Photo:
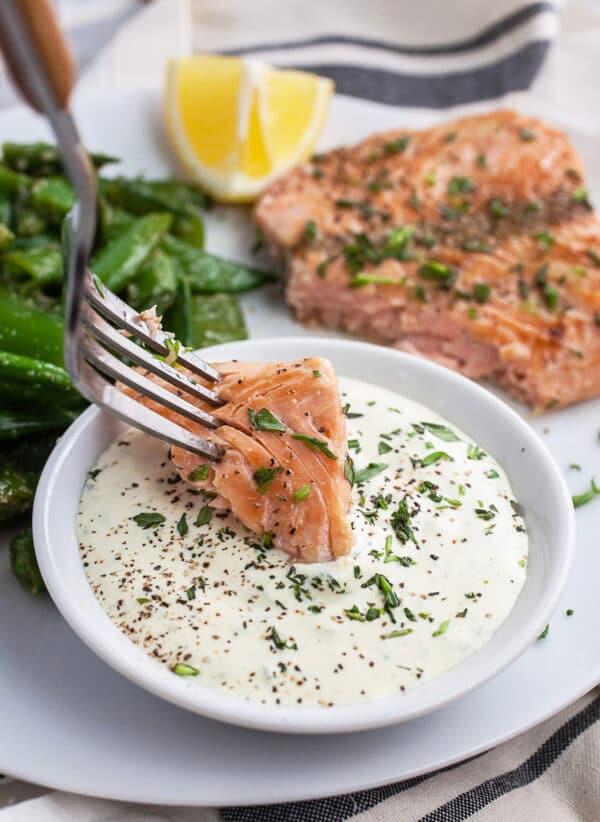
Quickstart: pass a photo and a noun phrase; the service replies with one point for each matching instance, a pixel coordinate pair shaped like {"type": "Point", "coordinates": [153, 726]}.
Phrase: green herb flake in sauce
{"type": "Point", "coordinates": [569, 612]}
{"type": "Point", "coordinates": [474, 452]}
{"type": "Point", "coordinates": [315, 444]}
{"type": "Point", "coordinates": [204, 515]}
{"type": "Point", "coordinates": [142, 600]}
{"type": "Point", "coordinates": [182, 526]}
{"type": "Point", "coordinates": [302, 493]}
{"type": "Point", "coordinates": [398, 633]}
{"type": "Point", "coordinates": [349, 472]}
{"type": "Point", "coordinates": [181, 669]}
{"type": "Point", "coordinates": [372, 469]}
{"type": "Point", "coordinates": [383, 448]}
{"type": "Point", "coordinates": [443, 432]}
{"type": "Point", "coordinates": [587, 496]}
{"type": "Point", "coordinates": [442, 628]}
{"type": "Point", "coordinates": [400, 522]}
{"type": "Point", "coordinates": [280, 643]}
{"type": "Point", "coordinates": [149, 520]}
{"type": "Point", "coordinates": [545, 632]}
{"type": "Point", "coordinates": [264, 420]}
{"type": "Point", "coordinates": [434, 457]}
{"type": "Point", "coordinates": [199, 474]}
{"type": "Point", "coordinates": [492, 474]}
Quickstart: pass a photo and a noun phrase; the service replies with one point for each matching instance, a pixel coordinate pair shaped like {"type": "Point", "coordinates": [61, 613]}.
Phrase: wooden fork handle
{"type": "Point", "coordinates": [36, 52]}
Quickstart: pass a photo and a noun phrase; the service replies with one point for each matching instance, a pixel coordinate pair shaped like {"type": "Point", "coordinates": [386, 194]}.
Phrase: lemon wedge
{"type": "Point", "coordinates": [237, 123]}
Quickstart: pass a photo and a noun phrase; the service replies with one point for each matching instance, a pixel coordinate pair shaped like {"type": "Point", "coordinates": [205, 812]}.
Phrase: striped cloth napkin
{"type": "Point", "coordinates": [430, 54]}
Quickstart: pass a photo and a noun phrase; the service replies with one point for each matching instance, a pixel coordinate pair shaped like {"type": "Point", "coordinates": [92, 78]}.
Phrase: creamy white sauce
{"type": "Point", "coordinates": [209, 597]}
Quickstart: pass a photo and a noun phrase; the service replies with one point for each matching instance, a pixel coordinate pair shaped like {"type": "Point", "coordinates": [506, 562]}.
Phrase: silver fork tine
{"type": "Point", "coordinates": [105, 333]}
{"type": "Point", "coordinates": [122, 315]}
{"type": "Point", "coordinates": [106, 362]}
{"type": "Point", "coordinates": [100, 391]}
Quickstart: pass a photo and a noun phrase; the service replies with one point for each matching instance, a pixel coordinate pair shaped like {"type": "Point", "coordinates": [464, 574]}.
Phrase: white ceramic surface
{"type": "Point", "coordinates": [70, 722]}
{"type": "Point", "coordinates": [536, 482]}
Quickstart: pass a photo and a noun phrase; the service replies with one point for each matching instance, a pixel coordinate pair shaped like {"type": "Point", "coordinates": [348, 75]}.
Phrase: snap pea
{"type": "Point", "coordinates": [178, 318]}
{"type": "Point", "coordinates": [42, 159]}
{"type": "Point", "coordinates": [17, 423]}
{"type": "Point", "coordinates": [119, 260]}
{"type": "Point", "coordinates": [25, 380]}
{"type": "Point", "coordinates": [216, 318]}
{"type": "Point", "coordinates": [145, 196]}
{"type": "Point", "coordinates": [23, 563]}
{"type": "Point", "coordinates": [155, 284]}
{"type": "Point", "coordinates": [112, 221]}
{"type": "Point", "coordinates": [30, 331]}
{"type": "Point", "coordinates": [43, 265]}
{"type": "Point", "coordinates": [11, 181]}
{"type": "Point", "coordinates": [208, 274]}
{"type": "Point", "coordinates": [52, 197]}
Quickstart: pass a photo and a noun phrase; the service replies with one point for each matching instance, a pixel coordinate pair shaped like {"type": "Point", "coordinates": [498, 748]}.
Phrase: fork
{"type": "Point", "coordinates": [102, 333]}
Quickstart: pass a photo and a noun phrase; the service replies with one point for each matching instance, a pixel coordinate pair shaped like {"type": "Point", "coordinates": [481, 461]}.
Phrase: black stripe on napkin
{"type": "Point", "coordinates": [340, 808]}
{"type": "Point", "coordinates": [513, 73]}
{"type": "Point", "coordinates": [483, 38]}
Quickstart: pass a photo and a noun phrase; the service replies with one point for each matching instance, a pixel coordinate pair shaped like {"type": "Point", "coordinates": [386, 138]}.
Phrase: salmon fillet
{"type": "Point", "coordinates": [283, 432]}
{"type": "Point", "coordinates": [470, 243]}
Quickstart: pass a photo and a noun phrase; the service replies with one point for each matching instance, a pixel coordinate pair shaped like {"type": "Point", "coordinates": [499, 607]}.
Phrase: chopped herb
{"type": "Point", "coordinates": [204, 515]}
{"type": "Point", "coordinates": [492, 474]}
{"type": "Point", "coordinates": [481, 161]}
{"type": "Point", "coordinates": [594, 256]}
{"type": "Point", "coordinates": [482, 292]}
{"type": "Point", "coordinates": [374, 279]}
{"type": "Point", "coordinates": [280, 643]}
{"type": "Point", "coordinates": [476, 245]}
{"type": "Point", "coordinates": [315, 444]}
{"type": "Point", "coordinates": [575, 466]}
{"type": "Point", "coordinates": [181, 669]}
{"type": "Point", "coordinates": [142, 600]}
{"type": "Point", "coordinates": [474, 452]}
{"type": "Point", "coordinates": [182, 526]}
{"type": "Point", "coordinates": [302, 493]}
{"type": "Point", "coordinates": [383, 448]}
{"type": "Point", "coordinates": [523, 289]}
{"type": "Point", "coordinates": [550, 296]}
{"type": "Point", "coordinates": [580, 195]}
{"type": "Point", "coordinates": [354, 613]}
{"type": "Point", "coordinates": [94, 473]}
{"type": "Point", "coordinates": [431, 179]}
{"type": "Point", "coordinates": [316, 372]}
{"type": "Point", "coordinates": [409, 615]}
{"type": "Point", "coordinates": [588, 496]}
{"type": "Point", "coordinates": [385, 586]}
{"type": "Point", "coordinates": [523, 563]}
{"type": "Point", "coordinates": [420, 294]}
{"type": "Point", "coordinates": [462, 614]}
{"type": "Point", "coordinates": [149, 520]}
{"type": "Point", "coordinates": [191, 593]}
{"type": "Point", "coordinates": [497, 208]}
{"type": "Point", "coordinates": [351, 415]}
{"type": "Point", "coordinates": [451, 137]}
{"type": "Point", "coordinates": [569, 612]}
{"type": "Point", "coordinates": [545, 632]}
{"type": "Point", "coordinates": [442, 628]}
{"type": "Point", "coordinates": [434, 457]}
{"type": "Point", "coordinates": [527, 134]}
{"type": "Point", "coordinates": [349, 473]}
{"type": "Point", "coordinates": [545, 240]}
{"type": "Point", "coordinates": [434, 270]}
{"type": "Point", "coordinates": [354, 444]}
{"type": "Point", "coordinates": [264, 420]}
{"type": "Point", "coordinates": [199, 474]}
{"type": "Point", "coordinates": [440, 431]}
{"type": "Point", "coordinates": [315, 609]}
{"type": "Point", "coordinates": [324, 265]}
{"type": "Point", "coordinates": [461, 185]}
{"type": "Point", "coordinates": [372, 469]}
{"type": "Point", "coordinates": [414, 201]}
{"type": "Point", "coordinates": [397, 146]}
{"type": "Point", "coordinates": [264, 477]}
{"type": "Point", "coordinates": [485, 514]}
{"type": "Point", "coordinates": [310, 231]}
{"type": "Point", "coordinates": [425, 240]}
{"type": "Point", "coordinates": [357, 572]}
{"type": "Point", "coordinates": [472, 313]}
{"type": "Point", "coordinates": [394, 634]}
{"type": "Point", "coordinates": [400, 522]}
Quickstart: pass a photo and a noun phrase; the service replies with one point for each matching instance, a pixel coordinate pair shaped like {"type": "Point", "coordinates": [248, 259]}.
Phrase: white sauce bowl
{"type": "Point", "coordinates": [535, 479]}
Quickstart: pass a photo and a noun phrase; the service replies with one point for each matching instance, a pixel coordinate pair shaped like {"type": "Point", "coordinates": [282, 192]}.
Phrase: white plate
{"type": "Point", "coordinates": [537, 483]}
{"type": "Point", "coordinates": [70, 722]}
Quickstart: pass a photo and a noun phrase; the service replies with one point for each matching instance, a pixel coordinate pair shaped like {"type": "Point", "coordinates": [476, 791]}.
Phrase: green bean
{"type": "Point", "coordinates": [30, 331]}
{"type": "Point", "coordinates": [25, 380]}
{"type": "Point", "coordinates": [15, 424]}
{"type": "Point", "coordinates": [24, 565]}
{"type": "Point", "coordinates": [112, 221]}
{"type": "Point", "coordinates": [144, 196]}
{"type": "Point", "coordinates": [216, 318]}
{"type": "Point", "coordinates": [42, 159]}
{"type": "Point", "coordinates": [6, 236]}
{"type": "Point", "coordinates": [155, 284]}
{"type": "Point", "coordinates": [11, 181]}
{"type": "Point", "coordinates": [208, 274]}
{"type": "Point", "coordinates": [118, 261]}
{"type": "Point", "coordinates": [6, 210]}
{"type": "Point", "coordinates": [47, 241]}
{"type": "Point", "coordinates": [53, 197]}
{"type": "Point", "coordinates": [43, 265]}
{"type": "Point", "coordinates": [178, 318]}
